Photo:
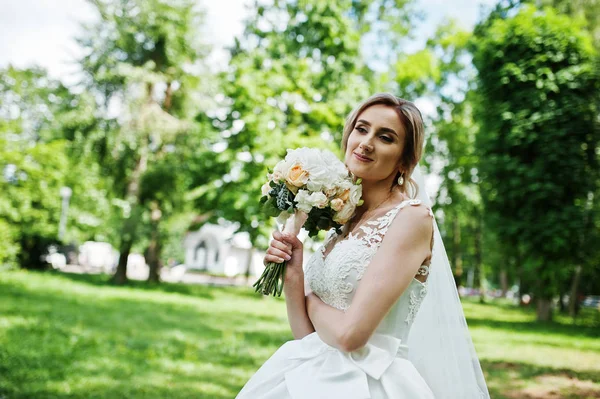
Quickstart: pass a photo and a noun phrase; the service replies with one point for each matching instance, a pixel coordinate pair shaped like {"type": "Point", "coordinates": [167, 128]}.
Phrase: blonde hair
{"type": "Point", "coordinates": [411, 119]}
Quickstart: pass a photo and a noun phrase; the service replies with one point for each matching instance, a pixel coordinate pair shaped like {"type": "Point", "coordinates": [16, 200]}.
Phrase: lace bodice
{"type": "Point", "coordinates": [334, 276]}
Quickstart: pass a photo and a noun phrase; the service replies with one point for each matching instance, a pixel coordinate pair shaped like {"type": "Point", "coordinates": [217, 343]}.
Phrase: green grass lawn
{"type": "Point", "coordinates": [74, 336]}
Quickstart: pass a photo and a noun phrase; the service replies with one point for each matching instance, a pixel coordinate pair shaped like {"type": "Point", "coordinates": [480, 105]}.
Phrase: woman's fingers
{"type": "Point", "coordinates": [291, 240]}
{"type": "Point", "coordinates": [276, 256]}
{"type": "Point", "coordinates": [282, 246]}
{"type": "Point", "coordinates": [273, 259]}
{"type": "Point", "coordinates": [279, 253]}
{"type": "Point", "coordinates": [288, 239]}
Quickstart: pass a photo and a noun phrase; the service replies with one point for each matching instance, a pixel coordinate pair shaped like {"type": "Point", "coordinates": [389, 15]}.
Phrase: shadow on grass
{"type": "Point", "coordinates": [103, 280]}
{"type": "Point", "coordinates": [512, 380]}
{"type": "Point", "coordinates": [195, 290]}
{"type": "Point", "coordinates": [536, 327]}
{"type": "Point", "coordinates": [62, 345]}
{"type": "Point", "coordinates": [587, 317]}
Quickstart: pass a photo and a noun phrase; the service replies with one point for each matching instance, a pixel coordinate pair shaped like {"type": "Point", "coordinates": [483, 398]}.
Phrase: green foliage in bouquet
{"type": "Point", "coordinates": [279, 199]}
{"type": "Point", "coordinates": [321, 219]}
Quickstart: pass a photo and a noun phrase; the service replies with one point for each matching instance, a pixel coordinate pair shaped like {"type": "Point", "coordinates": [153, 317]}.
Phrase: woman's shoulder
{"type": "Point", "coordinates": [414, 216]}
{"type": "Point", "coordinates": [401, 201]}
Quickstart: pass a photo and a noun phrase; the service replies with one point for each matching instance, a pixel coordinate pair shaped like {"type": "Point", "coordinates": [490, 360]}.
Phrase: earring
{"type": "Point", "coordinates": [400, 180]}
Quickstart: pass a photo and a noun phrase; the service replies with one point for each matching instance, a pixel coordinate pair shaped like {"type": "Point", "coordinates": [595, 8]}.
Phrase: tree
{"type": "Point", "coordinates": [588, 10]}
{"type": "Point", "coordinates": [147, 55]}
{"type": "Point", "coordinates": [293, 77]}
{"type": "Point", "coordinates": [442, 72]}
{"type": "Point", "coordinates": [538, 139]}
{"type": "Point", "coordinates": [451, 148]}
{"type": "Point", "coordinates": [38, 118]}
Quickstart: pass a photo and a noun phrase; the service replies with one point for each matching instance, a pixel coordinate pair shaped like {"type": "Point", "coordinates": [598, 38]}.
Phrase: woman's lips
{"type": "Point", "coordinates": [362, 158]}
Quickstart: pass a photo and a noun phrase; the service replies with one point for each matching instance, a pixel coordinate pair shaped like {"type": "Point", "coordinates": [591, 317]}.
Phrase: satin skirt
{"type": "Point", "coordinates": [311, 369]}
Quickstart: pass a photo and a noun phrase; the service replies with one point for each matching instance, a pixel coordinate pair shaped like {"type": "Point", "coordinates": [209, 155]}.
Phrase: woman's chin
{"type": "Point", "coordinates": [358, 172]}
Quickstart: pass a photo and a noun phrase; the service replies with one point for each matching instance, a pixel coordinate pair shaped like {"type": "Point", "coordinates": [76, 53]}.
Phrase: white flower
{"type": "Point", "coordinates": [336, 167]}
{"type": "Point", "coordinates": [343, 186]}
{"type": "Point", "coordinates": [307, 200]}
{"type": "Point", "coordinates": [280, 170]}
{"type": "Point", "coordinates": [355, 194]}
{"type": "Point", "coordinates": [318, 199]}
{"type": "Point", "coordinates": [303, 200]}
{"type": "Point", "coordinates": [265, 189]}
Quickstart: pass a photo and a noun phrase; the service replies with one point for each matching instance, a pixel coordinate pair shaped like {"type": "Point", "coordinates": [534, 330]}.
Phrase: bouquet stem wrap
{"type": "Point", "coordinates": [272, 278]}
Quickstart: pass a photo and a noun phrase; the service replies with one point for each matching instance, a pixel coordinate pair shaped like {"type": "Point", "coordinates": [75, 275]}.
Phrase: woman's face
{"type": "Point", "coordinates": [376, 144]}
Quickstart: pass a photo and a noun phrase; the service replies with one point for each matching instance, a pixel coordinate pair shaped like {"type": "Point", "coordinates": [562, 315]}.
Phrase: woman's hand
{"type": "Point", "coordinates": [278, 251]}
{"type": "Point", "coordinates": [285, 247]}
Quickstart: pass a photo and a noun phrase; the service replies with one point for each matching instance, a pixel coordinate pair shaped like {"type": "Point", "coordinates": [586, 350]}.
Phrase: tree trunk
{"type": "Point", "coordinates": [503, 281]}
{"type": "Point", "coordinates": [479, 262]}
{"type": "Point", "coordinates": [519, 271]}
{"type": "Point", "coordinates": [544, 309]}
{"type": "Point", "coordinates": [574, 292]}
{"type": "Point", "coordinates": [154, 248]}
{"type": "Point", "coordinates": [249, 263]}
{"type": "Point", "coordinates": [168, 97]}
{"type": "Point", "coordinates": [458, 267]}
{"type": "Point", "coordinates": [128, 231]}
{"type": "Point", "coordinates": [561, 303]}
{"type": "Point", "coordinates": [120, 276]}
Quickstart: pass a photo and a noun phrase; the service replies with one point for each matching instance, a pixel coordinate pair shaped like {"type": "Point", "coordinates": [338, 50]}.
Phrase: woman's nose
{"type": "Point", "coordinates": [366, 145]}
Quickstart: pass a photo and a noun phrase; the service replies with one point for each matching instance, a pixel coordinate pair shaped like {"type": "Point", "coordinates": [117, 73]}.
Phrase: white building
{"type": "Point", "coordinates": [217, 249]}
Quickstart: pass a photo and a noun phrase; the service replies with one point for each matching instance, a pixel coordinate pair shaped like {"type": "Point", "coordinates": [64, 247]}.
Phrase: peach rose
{"type": "Point", "coordinates": [345, 195]}
{"type": "Point", "coordinates": [297, 176]}
{"type": "Point", "coordinates": [344, 214]}
{"type": "Point", "coordinates": [337, 204]}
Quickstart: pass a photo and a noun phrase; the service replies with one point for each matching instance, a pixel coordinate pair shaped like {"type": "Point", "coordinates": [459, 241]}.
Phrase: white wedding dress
{"type": "Point", "coordinates": [310, 369]}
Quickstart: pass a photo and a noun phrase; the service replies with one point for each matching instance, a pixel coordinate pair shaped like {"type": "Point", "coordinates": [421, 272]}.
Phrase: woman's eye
{"type": "Point", "coordinates": [361, 130]}
{"type": "Point", "coordinates": [387, 139]}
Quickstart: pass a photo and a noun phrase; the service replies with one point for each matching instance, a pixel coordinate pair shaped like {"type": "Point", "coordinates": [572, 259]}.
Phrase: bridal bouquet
{"type": "Point", "coordinates": [310, 188]}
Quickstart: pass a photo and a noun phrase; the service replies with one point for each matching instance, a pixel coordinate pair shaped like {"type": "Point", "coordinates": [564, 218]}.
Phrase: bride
{"type": "Point", "coordinates": [375, 312]}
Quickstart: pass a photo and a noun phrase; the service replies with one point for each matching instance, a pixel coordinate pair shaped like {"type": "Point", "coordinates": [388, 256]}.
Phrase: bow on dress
{"type": "Point", "coordinates": [327, 372]}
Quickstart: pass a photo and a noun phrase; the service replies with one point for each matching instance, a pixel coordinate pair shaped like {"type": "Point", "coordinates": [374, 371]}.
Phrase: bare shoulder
{"type": "Point", "coordinates": [414, 219]}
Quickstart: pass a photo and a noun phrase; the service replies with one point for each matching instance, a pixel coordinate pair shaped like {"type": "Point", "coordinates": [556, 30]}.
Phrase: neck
{"type": "Point", "coordinates": [376, 193]}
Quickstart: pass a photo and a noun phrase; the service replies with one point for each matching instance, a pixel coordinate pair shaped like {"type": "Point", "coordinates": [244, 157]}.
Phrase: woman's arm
{"type": "Point", "coordinates": [404, 248]}
{"type": "Point", "coordinates": [293, 287]}
{"type": "Point", "coordinates": [328, 321]}
{"type": "Point", "coordinates": [295, 302]}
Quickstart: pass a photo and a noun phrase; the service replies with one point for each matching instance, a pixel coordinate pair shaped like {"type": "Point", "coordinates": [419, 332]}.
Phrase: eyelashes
{"type": "Point", "coordinates": [384, 138]}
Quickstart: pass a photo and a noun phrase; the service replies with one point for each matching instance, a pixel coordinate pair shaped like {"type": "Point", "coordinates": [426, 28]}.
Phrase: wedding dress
{"type": "Point", "coordinates": [310, 369]}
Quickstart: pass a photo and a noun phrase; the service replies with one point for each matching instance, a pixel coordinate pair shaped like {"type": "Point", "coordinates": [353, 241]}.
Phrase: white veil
{"type": "Point", "coordinates": [440, 344]}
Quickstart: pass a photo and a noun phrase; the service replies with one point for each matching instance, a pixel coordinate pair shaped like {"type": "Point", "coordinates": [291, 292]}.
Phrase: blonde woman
{"type": "Point", "coordinates": [375, 313]}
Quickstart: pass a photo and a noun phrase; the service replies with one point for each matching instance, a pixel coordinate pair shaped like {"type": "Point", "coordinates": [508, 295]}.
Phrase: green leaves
{"type": "Point", "coordinates": [41, 126]}
{"type": "Point", "coordinates": [320, 219]}
{"type": "Point", "coordinates": [538, 104]}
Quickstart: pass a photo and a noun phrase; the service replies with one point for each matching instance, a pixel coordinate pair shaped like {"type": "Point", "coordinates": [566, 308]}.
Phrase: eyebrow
{"type": "Point", "coordinates": [383, 129]}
